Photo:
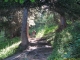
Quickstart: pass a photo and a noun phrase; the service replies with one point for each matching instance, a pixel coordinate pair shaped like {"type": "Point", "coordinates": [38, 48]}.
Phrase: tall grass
{"type": "Point", "coordinates": [46, 30]}
{"type": "Point", "coordinates": [8, 47]}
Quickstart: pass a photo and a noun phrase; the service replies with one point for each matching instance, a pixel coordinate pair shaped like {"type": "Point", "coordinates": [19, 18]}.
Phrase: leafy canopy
{"type": "Point", "coordinates": [20, 1]}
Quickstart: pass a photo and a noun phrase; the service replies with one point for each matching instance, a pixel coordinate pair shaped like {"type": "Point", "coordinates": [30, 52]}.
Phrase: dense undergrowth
{"type": "Point", "coordinates": [45, 31]}
{"type": "Point", "coordinates": [66, 43]}
{"type": "Point", "coordinates": [8, 47]}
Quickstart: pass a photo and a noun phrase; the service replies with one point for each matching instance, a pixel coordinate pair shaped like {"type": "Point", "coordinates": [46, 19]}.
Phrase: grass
{"type": "Point", "coordinates": [8, 47]}
{"type": "Point", "coordinates": [2, 38]}
{"type": "Point", "coordinates": [8, 51]}
{"type": "Point", "coordinates": [8, 42]}
{"type": "Point", "coordinates": [45, 31]}
{"type": "Point", "coordinates": [50, 29]}
{"type": "Point", "coordinates": [40, 33]}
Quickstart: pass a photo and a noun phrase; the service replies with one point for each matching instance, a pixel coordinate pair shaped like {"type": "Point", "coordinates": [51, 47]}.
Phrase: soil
{"type": "Point", "coordinates": [38, 50]}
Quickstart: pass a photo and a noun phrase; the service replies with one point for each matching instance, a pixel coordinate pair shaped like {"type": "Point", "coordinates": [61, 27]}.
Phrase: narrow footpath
{"type": "Point", "coordinates": [39, 49]}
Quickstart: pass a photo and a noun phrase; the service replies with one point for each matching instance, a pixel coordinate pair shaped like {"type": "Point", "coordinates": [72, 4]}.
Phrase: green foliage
{"type": "Point", "coordinates": [66, 44]}
{"type": "Point", "coordinates": [21, 1]}
{"type": "Point", "coordinates": [8, 47]}
{"type": "Point", "coordinates": [40, 33]}
{"type": "Point", "coordinates": [2, 36]}
{"type": "Point", "coordinates": [43, 30]}
{"type": "Point", "coordinates": [16, 0]}
{"type": "Point", "coordinates": [12, 1]}
{"type": "Point", "coordinates": [49, 29]}
{"type": "Point", "coordinates": [69, 6]}
{"type": "Point", "coordinates": [32, 1]}
{"type": "Point", "coordinates": [44, 24]}
{"type": "Point", "coordinates": [8, 42]}
{"type": "Point", "coordinates": [5, 0]}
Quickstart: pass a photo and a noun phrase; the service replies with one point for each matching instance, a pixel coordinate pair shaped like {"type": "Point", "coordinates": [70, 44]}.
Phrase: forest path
{"type": "Point", "coordinates": [39, 49]}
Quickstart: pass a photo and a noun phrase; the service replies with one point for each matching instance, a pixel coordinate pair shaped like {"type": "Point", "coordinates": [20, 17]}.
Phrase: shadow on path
{"type": "Point", "coordinates": [38, 50]}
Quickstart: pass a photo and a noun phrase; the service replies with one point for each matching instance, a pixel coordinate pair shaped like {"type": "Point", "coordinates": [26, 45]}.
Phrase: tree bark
{"type": "Point", "coordinates": [24, 37]}
{"type": "Point", "coordinates": [28, 30]}
{"type": "Point", "coordinates": [62, 22]}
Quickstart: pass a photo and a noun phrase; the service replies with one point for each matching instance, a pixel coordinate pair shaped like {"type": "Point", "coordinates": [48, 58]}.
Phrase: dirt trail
{"type": "Point", "coordinates": [38, 50]}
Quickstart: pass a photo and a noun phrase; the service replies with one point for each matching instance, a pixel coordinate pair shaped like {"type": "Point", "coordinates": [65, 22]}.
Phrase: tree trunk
{"type": "Point", "coordinates": [24, 37]}
{"type": "Point", "coordinates": [28, 30]}
{"type": "Point", "coordinates": [62, 22]}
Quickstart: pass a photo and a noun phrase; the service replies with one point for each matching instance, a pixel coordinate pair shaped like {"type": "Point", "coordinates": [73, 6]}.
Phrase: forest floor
{"type": "Point", "coordinates": [39, 49]}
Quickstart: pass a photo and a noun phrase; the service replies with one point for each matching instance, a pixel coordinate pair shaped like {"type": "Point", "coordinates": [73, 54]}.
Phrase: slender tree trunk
{"type": "Point", "coordinates": [24, 37]}
{"type": "Point", "coordinates": [28, 30]}
{"type": "Point", "coordinates": [62, 22]}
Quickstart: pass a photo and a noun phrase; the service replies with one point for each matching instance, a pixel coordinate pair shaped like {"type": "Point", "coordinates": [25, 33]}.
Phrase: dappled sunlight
{"type": "Point", "coordinates": [60, 51]}
{"type": "Point", "coordinates": [31, 21]}
{"type": "Point", "coordinates": [43, 26]}
{"type": "Point", "coordinates": [48, 46]}
{"type": "Point", "coordinates": [51, 38]}
{"type": "Point", "coordinates": [55, 28]}
{"type": "Point", "coordinates": [40, 33]}
{"type": "Point", "coordinates": [32, 48]}
{"type": "Point", "coordinates": [66, 37]}
{"type": "Point", "coordinates": [9, 50]}
{"type": "Point", "coordinates": [69, 35]}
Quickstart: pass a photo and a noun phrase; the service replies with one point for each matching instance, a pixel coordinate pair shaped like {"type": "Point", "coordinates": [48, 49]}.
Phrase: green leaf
{"type": "Point", "coordinates": [32, 1]}
{"type": "Point", "coordinates": [16, 0]}
{"type": "Point", "coordinates": [21, 1]}
{"type": "Point", "coordinates": [5, 0]}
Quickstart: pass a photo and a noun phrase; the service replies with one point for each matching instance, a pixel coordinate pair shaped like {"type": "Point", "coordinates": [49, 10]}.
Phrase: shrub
{"type": "Point", "coordinates": [67, 44]}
